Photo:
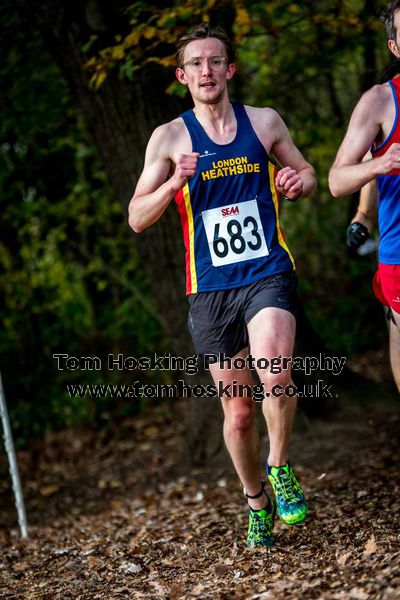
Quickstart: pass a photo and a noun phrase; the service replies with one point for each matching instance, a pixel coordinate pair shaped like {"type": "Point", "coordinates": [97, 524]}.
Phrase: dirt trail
{"type": "Point", "coordinates": [110, 517]}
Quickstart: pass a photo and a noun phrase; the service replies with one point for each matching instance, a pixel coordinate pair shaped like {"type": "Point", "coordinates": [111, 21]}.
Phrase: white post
{"type": "Point", "coordinates": [12, 464]}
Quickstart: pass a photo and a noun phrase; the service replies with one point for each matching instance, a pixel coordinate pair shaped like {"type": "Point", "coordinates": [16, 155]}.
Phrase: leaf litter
{"type": "Point", "coordinates": [164, 533]}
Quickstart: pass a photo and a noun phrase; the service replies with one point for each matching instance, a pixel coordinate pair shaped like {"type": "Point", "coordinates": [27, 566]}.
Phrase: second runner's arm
{"type": "Point", "coordinates": [349, 173]}
{"type": "Point", "coordinates": [367, 204]}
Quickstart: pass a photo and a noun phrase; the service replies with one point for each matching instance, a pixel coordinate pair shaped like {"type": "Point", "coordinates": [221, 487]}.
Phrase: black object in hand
{"type": "Point", "coordinates": [356, 235]}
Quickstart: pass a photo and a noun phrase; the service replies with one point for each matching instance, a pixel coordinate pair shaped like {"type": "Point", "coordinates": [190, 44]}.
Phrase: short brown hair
{"type": "Point", "coordinates": [388, 19]}
{"type": "Point", "coordinates": [201, 32]}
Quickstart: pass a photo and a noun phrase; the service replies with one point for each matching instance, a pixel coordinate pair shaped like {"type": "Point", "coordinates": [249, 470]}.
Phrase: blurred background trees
{"type": "Point", "coordinates": [84, 84]}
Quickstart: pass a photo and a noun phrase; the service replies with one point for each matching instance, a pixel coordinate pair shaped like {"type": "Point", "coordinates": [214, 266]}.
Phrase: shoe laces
{"type": "Point", "coordinates": [285, 487]}
{"type": "Point", "coordinates": [259, 525]}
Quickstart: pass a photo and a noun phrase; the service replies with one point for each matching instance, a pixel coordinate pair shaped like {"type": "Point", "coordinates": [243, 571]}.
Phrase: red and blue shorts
{"type": "Point", "coordinates": [386, 285]}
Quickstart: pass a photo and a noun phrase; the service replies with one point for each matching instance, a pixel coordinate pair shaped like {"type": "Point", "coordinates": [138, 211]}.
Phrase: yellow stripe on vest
{"type": "Point", "coordinates": [192, 262]}
{"type": "Point", "coordinates": [271, 169]}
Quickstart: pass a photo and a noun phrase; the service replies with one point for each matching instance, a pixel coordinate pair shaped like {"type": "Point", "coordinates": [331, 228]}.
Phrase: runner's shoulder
{"type": "Point", "coordinates": [165, 136]}
{"type": "Point", "coordinates": [262, 115]}
{"type": "Point", "coordinates": [377, 96]}
{"type": "Point", "coordinates": [267, 123]}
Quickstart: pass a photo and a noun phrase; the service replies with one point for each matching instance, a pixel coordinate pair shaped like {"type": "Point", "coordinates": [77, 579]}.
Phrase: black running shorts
{"type": "Point", "coordinates": [218, 320]}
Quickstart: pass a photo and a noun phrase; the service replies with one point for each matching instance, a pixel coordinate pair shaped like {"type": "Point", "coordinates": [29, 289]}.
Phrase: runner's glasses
{"type": "Point", "coordinates": [215, 63]}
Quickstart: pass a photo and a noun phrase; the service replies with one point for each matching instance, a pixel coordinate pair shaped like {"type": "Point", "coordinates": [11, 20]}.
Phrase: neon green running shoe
{"type": "Point", "coordinates": [261, 523]}
{"type": "Point", "coordinates": [291, 502]}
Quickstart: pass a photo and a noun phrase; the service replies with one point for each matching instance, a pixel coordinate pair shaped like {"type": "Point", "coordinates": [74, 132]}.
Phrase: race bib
{"type": "Point", "coordinates": [234, 233]}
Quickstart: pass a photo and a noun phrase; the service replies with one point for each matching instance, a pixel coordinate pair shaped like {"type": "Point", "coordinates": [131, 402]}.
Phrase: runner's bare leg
{"type": "Point", "coordinates": [272, 333]}
{"type": "Point", "coordinates": [240, 435]}
{"type": "Point", "coordinates": [394, 347]}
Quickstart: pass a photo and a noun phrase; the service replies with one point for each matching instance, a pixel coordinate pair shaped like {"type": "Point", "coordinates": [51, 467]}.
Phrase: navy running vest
{"type": "Point", "coordinates": [229, 211]}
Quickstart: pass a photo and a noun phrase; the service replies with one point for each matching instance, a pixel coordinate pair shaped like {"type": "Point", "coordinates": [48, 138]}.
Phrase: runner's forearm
{"type": "Point", "coordinates": [147, 209]}
{"type": "Point", "coordinates": [346, 179]}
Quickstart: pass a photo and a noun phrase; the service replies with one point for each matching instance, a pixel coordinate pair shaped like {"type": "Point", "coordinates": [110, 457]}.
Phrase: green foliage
{"type": "Point", "coordinates": [149, 40]}
{"type": "Point", "coordinates": [70, 278]}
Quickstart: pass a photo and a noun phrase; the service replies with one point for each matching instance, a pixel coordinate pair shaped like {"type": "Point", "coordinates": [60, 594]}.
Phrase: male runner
{"type": "Point", "coordinates": [214, 161]}
{"type": "Point", "coordinates": [374, 125]}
